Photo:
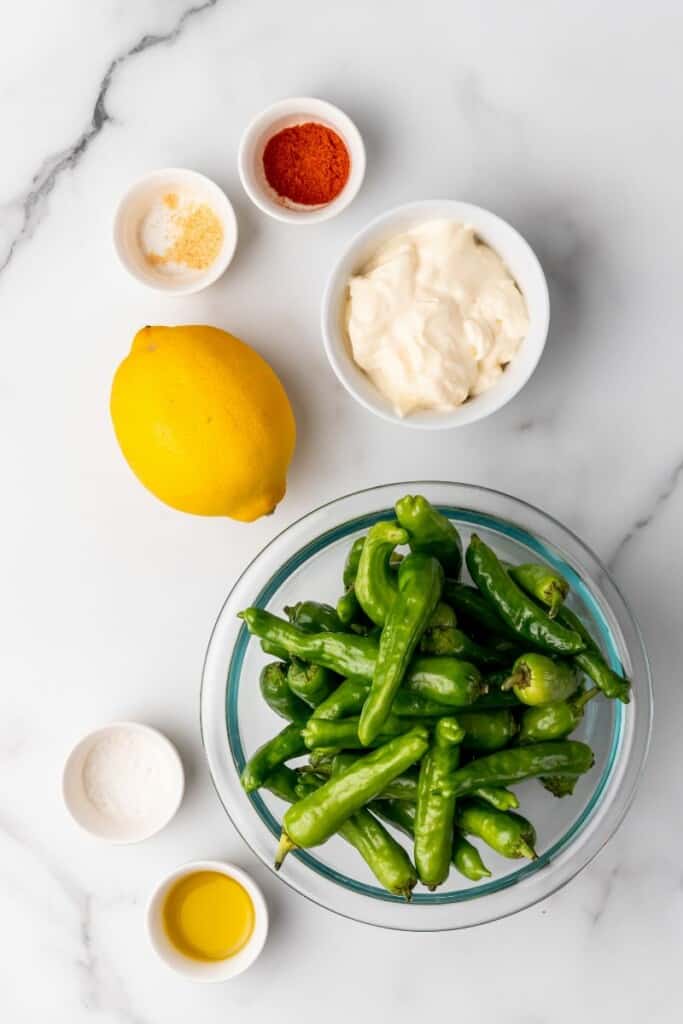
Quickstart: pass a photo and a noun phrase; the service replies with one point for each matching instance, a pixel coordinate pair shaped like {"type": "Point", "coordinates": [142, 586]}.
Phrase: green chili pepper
{"type": "Point", "coordinates": [561, 757]}
{"type": "Point", "coordinates": [376, 585]}
{"type": "Point", "coordinates": [434, 817]}
{"type": "Point", "coordinates": [540, 581]}
{"type": "Point", "coordinates": [442, 639]}
{"type": "Point", "coordinates": [431, 532]}
{"type": "Point", "coordinates": [311, 683]}
{"type": "Point", "coordinates": [283, 747]}
{"type": "Point", "coordinates": [420, 578]}
{"type": "Point", "coordinates": [447, 680]}
{"type": "Point", "coordinates": [347, 699]}
{"type": "Point", "coordinates": [487, 730]}
{"type": "Point", "coordinates": [278, 696]}
{"type": "Point", "coordinates": [343, 734]}
{"type": "Point", "coordinates": [500, 798]}
{"type": "Point", "coordinates": [469, 603]}
{"type": "Point", "coordinates": [348, 608]}
{"type": "Point", "coordinates": [467, 859]}
{"type": "Point", "coordinates": [553, 721]}
{"type": "Point", "coordinates": [274, 650]}
{"type": "Point", "coordinates": [318, 816]}
{"type": "Point", "coordinates": [537, 679]}
{"type": "Point", "coordinates": [508, 834]}
{"type": "Point", "coordinates": [314, 617]}
{"type": "Point", "coordinates": [513, 605]}
{"type": "Point", "coordinates": [388, 861]}
{"type": "Point", "coordinates": [352, 562]}
{"type": "Point", "coordinates": [592, 662]}
{"type": "Point", "coordinates": [558, 785]}
{"type": "Point", "coordinates": [282, 782]}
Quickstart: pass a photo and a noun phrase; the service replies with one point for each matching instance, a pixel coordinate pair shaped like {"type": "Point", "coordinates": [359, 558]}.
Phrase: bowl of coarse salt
{"type": "Point", "coordinates": [123, 782]}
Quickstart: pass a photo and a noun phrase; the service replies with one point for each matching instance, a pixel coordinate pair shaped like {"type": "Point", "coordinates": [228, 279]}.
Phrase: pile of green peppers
{"type": "Point", "coordinates": [420, 699]}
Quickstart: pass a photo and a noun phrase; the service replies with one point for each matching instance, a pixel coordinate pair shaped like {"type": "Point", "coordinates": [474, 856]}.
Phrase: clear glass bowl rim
{"type": "Point", "coordinates": [622, 792]}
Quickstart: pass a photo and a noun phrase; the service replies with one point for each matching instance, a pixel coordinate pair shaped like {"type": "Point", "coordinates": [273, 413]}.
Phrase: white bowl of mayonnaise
{"type": "Point", "coordinates": [436, 314]}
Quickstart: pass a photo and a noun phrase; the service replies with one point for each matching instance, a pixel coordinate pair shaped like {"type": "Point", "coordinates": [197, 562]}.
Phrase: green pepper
{"type": "Point", "coordinates": [540, 581]}
{"type": "Point", "coordinates": [274, 650]}
{"type": "Point", "coordinates": [508, 834]}
{"type": "Point", "coordinates": [431, 532]}
{"type": "Point", "coordinates": [420, 578]}
{"type": "Point", "coordinates": [319, 815]}
{"type": "Point", "coordinates": [442, 637]}
{"type": "Point", "coordinates": [388, 861]}
{"type": "Point", "coordinates": [567, 758]}
{"type": "Point", "coordinates": [348, 608]}
{"type": "Point", "coordinates": [282, 782]}
{"type": "Point", "coordinates": [487, 730]}
{"type": "Point", "coordinates": [446, 680]}
{"type": "Point", "coordinates": [537, 679]}
{"type": "Point", "coordinates": [343, 734]}
{"type": "Point", "coordinates": [517, 609]}
{"type": "Point", "coordinates": [467, 859]}
{"type": "Point", "coordinates": [352, 562]}
{"type": "Point", "coordinates": [553, 721]}
{"type": "Point", "coordinates": [311, 683]}
{"type": "Point", "coordinates": [434, 817]}
{"type": "Point", "coordinates": [473, 607]}
{"type": "Point", "coordinates": [286, 745]}
{"type": "Point", "coordinates": [278, 696]}
{"type": "Point", "coordinates": [347, 699]}
{"type": "Point", "coordinates": [592, 662]}
{"type": "Point", "coordinates": [314, 617]}
{"type": "Point", "coordinates": [376, 585]}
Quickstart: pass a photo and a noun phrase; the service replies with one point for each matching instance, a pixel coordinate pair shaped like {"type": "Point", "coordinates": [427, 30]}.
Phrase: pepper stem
{"type": "Point", "coordinates": [526, 850]}
{"type": "Point", "coordinates": [556, 600]}
{"type": "Point", "coordinates": [284, 847]}
{"type": "Point", "coordinates": [583, 698]}
{"type": "Point", "coordinates": [516, 678]}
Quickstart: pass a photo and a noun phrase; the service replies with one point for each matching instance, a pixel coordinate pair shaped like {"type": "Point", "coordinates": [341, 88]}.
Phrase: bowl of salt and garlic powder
{"type": "Point", "coordinates": [436, 314]}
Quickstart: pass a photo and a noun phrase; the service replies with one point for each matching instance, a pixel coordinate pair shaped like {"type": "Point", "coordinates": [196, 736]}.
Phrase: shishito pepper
{"type": "Point", "coordinates": [420, 579]}
{"type": "Point", "coordinates": [592, 662]}
{"type": "Point", "coordinates": [431, 533]}
{"type": "Point", "coordinates": [286, 745]}
{"type": "Point", "coordinates": [537, 679]}
{"type": "Point", "coordinates": [311, 683]}
{"type": "Point", "coordinates": [314, 617]}
{"type": "Point", "coordinates": [560, 759]}
{"type": "Point", "coordinates": [553, 721]}
{"type": "Point", "coordinates": [319, 815]}
{"type": "Point", "coordinates": [540, 581]}
{"type": "Point", "coordinates": [508, 834]}
{"type": "Point", "coordinates": [376, 584]}
{"type": "Point", "coordinates": [518, 610]}
{"type": "Point", "coordinates": [278, 696]}
{"type": "Point", "coordinates": [348, 607]}
{"type": "Point", "coordinates": [435, 811]}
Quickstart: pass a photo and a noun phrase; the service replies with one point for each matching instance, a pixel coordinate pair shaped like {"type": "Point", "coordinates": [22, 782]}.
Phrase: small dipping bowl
{"type": "Point", "coordinates": [119, 811]}
{"type": "Point", "coordinates": [205, 970]}
{"type": "Point", "coordinates": [285, 114]}
{"type": "Point", "coordinates": [142, 200]}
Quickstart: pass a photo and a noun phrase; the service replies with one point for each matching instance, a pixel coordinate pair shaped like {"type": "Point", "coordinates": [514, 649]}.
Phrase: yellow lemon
{"type": "Point", "coordinates": [203, 422]}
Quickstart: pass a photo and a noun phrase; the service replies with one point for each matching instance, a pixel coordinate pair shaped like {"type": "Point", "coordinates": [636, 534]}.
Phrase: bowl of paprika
{"type": "Point", "coordinates": [302, 160]}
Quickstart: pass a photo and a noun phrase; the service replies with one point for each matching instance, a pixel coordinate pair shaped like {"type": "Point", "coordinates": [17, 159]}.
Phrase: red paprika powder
{"type": "Point", "coordinates": [307, 164]}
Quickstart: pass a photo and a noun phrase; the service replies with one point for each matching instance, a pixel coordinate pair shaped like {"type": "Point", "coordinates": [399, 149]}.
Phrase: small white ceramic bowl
{"type": "Point", "coordinates": [137, 202]}
{"type": "Point", "coordinates": [517, 255]}
{"type": "Point", "coordinates": [198, 970]}
{"type": "Point", "coordinates": [168, 771]}
{"type": "Point", "coordinates": [284, 114]}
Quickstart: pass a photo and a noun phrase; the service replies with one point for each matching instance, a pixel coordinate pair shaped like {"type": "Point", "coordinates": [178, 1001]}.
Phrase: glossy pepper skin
{"type": "Point", "coordinates": [466, 858]}
{"type": "Point", "coordinates": [442, 637]}
{"type": "Point", "coordinates": [420, 578]}
{"type": "Point", "coordinates": [319, 815]}
{"type": "Point", "coordinates": [286, 745]}
{"type": "Point", "coordinates": [592, 662]}
{"type": "Point", "coordinates": [543, 583]}
{"type": "Point", "coordinates": [348, 608]}
{"type": "Point", "coordinates": [387, 859]}
{"type": "Point", "coordinates": [435, 811]}
{"type": "Point", "coordinates": [282, 782]}
{"type": "Point", "coordinates": [517, 609]}
{"type": "Point", "coordinates": [508, 834]}
{"type": "Point", "coordinates": [553, 721]}
{"type": "Point", "coordinates": [343, 734]}
{"type": "Point", "coordinates": [278, 696]}
{"type": "Point", "coordinates": [346, 700]}
{"type": "Point", "coordinates": [431, 532]}
{"type": "Point", "coordinates": [566, 758]}
{"type": "Point", "coordinates": [473, 607]}
{"type": "Point", "coordinates": [314, 617]}
{"type": "Point", "coordinates": [311, 683]}
{"type": "Point", "coordinates": [537, 679]}
{"type": "Point", "coordinates": [487, 731]}
{"type": "Point", "coordinates": [448, 680]}
{"type": "Point", "coordinates": [376, 583]}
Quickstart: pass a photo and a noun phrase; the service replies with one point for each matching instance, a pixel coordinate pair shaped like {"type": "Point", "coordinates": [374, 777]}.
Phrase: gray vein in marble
{"type": "Point", "coordinates": [600, 907]}
{"type": "Point", "coordinates": [31, 203]}
{"type": "Point", "coordinates": [649, 517]}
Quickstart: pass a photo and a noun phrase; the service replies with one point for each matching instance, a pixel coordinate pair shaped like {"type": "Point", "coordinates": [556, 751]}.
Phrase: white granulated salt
{"type": "Point", "coordinates": [126, 777]}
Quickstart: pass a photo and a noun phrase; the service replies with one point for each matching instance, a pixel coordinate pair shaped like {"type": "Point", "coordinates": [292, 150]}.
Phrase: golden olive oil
{"type": "Point", "coordinates": [208, 916]}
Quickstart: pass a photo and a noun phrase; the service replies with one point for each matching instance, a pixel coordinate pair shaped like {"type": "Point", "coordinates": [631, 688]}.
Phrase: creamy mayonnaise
{"type": "Point", "coordinates": [434, 317]}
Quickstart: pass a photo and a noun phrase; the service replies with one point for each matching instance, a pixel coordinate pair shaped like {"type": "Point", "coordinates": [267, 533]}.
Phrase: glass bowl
{"type": "Point", "coordinates": [305, 561]}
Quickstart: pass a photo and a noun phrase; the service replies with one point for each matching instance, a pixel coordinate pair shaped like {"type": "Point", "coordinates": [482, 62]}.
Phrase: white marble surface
{"type": "Point", "coordinates": [564, 119]}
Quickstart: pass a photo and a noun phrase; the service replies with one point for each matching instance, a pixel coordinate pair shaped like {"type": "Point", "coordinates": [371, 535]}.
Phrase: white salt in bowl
{"type": "Point", "coordinates": [123, 782]}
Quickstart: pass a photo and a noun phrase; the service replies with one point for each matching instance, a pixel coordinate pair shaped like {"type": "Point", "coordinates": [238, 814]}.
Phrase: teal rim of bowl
{"type": "Point", "coordinates": [338, 533]}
